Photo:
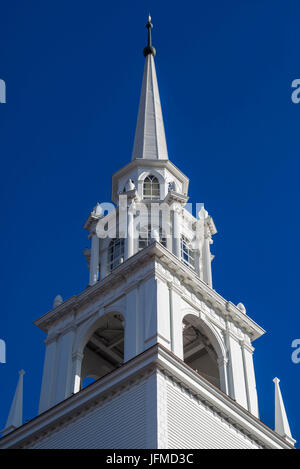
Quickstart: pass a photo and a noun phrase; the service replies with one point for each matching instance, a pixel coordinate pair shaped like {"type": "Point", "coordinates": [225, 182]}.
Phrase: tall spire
{"type": "Point", "coordinates": [15, 417]}
{"type": "Point", "coordinates": [281, 422]}
{"type": "Point", "coordinates": [150, 140]}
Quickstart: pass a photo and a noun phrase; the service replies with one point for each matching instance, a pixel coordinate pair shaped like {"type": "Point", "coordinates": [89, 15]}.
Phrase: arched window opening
{"type": "Point", "coordinates": [104, 351]}
{"type": "Point", "coordinates": [151, 189]}
{"type": "Point", "coordinates": [115, 253]}
{"type": "Point", "coordinates": [187, 253]}
{"type": "Point", "coordinates": [145, 237]}
{"type": "Point", "coordinates": [198, 351]}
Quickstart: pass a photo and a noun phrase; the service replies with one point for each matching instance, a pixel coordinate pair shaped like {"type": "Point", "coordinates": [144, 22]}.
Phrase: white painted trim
{"type": "Point", "coordinates": [144, 364]}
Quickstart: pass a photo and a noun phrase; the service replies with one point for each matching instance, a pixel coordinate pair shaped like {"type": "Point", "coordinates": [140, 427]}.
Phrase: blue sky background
{"type": "Point", "coordinates": [73, 72]}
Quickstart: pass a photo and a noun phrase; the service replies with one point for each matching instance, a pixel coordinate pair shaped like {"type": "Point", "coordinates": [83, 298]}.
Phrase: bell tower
{"type": "Point", "coordinates": [170, 359]}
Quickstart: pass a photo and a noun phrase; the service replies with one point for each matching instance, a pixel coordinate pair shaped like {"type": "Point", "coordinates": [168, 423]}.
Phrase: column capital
{"type": "Point", "coordinates": [222, 361]}
{"type": "Point", "coordinates": [69, 328]}
{"type": "Point", "coordinates": [51, 338]}
{"type": "Point", "coordinates": [77, 356]}
{"type": "Point", "coordinates": [176, 207]}
{"type": "Point", "coordinates": [246, 346]}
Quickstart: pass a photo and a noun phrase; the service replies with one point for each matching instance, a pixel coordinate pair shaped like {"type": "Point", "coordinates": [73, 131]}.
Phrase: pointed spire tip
{"type": "Point", "coordinates": [150, 139]}
{"type": "Point", "coordinates": [149, 49]}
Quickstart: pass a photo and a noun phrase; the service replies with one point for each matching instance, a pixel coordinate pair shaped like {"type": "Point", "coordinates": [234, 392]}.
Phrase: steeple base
{"type": "Point", "coordinates": [154, 401]}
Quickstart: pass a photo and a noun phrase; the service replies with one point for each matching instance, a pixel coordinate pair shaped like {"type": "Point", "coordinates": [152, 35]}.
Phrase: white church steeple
{"type": "Point", "coordinates": [171, 358]}
{"type": "Point", "coordinates": [150, 140]}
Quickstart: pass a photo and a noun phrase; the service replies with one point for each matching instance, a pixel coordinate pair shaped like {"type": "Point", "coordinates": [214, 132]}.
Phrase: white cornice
{"type": "Point", "coordinates": [192, 280]}
{"type": "Point", "coordinates": [173, 196]}
{"type": "Point", "coordinates": [91, 221]}
{"type": "Point", "coordinates": [123, 272]}
{"type": "Point", "coordinates": [220, 402]}
{"type": "Point", "coordinates": [154, 359]}
{"type": "Point", "coordinates": [141, 162]}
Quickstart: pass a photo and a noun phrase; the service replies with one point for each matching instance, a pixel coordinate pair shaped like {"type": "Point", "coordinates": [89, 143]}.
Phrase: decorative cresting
{"type": "Point", "coordinates": [150, 140]}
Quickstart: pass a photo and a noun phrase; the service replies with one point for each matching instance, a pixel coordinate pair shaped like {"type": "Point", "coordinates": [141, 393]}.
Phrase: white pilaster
{"type": "Point", "coordinates": [247, 351]}
{"type": "Point", "coordinates": [129, 241]}
{"type": "Point", "coordinates": [133, 322]}
{"type": "Point", "coordinates": [94, 262]}
{"type": "Point", "coordinates": [48, 379]}
{"type": "Point", "coordinates": [63, 382]}
{"type": "Point", "coordinates": [103, 262]}
{"type": "Point", "coordinates": [222, 364]}
{"type": "Point", "coordinates": [197, 257]}
{"type": "Point", "coordinates": [163, 318]}
{"type": "Point", "coordinates": [169, 229]}
{"type": "Point", "coordinates": [155, 310]}
{"type": "Point", "coordinates": [177, 231]}
{"type": "Point", "coordinates": [206, 255]}
{"type": "Point", "coordinates": [175, 322]}
{"type": "Point", "coordinates": [199, 240]}
{"type": "Point", "coordinates": [236, 377]}
{"type": "Point", "coordinates": [148, 309]}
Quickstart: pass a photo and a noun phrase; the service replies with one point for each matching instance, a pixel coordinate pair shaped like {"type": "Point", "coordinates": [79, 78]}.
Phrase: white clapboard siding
{"type": "Point", "coordinates": [193, 425]}
{"type": "Point", "coordinates": [119, 423]}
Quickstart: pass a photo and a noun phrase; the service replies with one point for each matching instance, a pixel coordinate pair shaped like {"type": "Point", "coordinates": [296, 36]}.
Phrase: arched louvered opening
{"type": "Point", "coordinates": [151, 188]}
{"type": "Point", "coordinates": [104, 350]}
{"type": "Point", "coordinates": [198, 350]}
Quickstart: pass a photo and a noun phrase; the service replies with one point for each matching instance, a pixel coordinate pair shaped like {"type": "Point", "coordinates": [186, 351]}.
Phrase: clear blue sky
{"type": "Point", "coordinates": [73, 71]}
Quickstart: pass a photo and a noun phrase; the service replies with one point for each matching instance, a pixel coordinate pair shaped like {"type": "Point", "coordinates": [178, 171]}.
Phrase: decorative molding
{"type": "Point", "coordinates": [141, 162]}
{"type": "Point", "coordinates": [156, 258]}
{"type": "Point", "coordinates": [134, 371]}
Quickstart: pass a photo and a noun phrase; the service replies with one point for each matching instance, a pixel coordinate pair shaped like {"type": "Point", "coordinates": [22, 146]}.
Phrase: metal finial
{"type": "Point", "coordinates": [149, 49]}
